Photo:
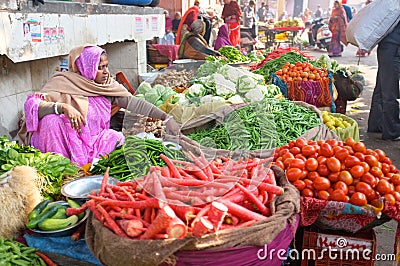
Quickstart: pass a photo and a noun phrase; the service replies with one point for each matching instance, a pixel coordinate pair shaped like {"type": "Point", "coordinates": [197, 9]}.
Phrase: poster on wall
{"type": "Point", "coordinates": [32, 30]}
{"type": "Point", "coordinates": [53, 35]}
{"type": "Point", "coordinates": [154, 24]}
{"type": "Point", "coordinates": [139, 25]}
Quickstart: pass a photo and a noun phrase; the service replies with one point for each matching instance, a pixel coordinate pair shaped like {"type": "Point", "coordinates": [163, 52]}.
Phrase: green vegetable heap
{"type": "Point", "coordinates": [134, 158]}
{"type": "Point", "coordinates": [233, 54]}
{"type": "Point", "coordinates": [16, 253]}
{"type": "Point", "coordinates": [52, 168]}
{"type": "Point", "coordinates": [262, 125]}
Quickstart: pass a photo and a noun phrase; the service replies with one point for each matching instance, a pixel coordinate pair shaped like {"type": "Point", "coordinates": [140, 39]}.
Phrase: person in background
{"type": "Point", "coordinates": [318, 13]}
{"type": "Point", "coordinates": [222, 38]}
{"type": "Point", "coordinates": [270, 14]}
{"type": "Point", "coordinates": [262, 12]}
{"type": "Point", "coordinates": [337, 25]}
{"type": "Point", "coordinates": [169, 37]}
{"type": "Point", "coordinates": [249, 18]}
{"type": "Point", "coordinates": [283, 16]}
{"type": "Point", "coordinates": [193, 45]}
{"type": "Point", "coordinates": [231, 14]}
{"type": "Point", "coordinates": [206, 19]}
{"type": "Point", "coordinates": [184, 26]}
{"type": "Point", "coordinates": [176, 21]}
{"type": "Point", "coordinates": [71, 114]}
{"type": "Point", "coordinates": [347, 9]}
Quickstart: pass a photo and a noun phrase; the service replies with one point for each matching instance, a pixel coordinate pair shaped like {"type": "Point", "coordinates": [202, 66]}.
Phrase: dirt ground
{"type": "Point", "coordinates": [359, 110]}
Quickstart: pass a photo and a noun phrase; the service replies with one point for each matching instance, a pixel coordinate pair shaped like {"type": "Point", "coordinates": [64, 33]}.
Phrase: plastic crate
{"type": "Point", "coordinates": [350, 255]}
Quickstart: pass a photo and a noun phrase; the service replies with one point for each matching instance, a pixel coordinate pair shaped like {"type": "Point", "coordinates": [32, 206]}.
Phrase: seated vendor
{"type": "Point", "coordinates": [193, 45]}
{"type": "Point", "coordinates": [71, 114]}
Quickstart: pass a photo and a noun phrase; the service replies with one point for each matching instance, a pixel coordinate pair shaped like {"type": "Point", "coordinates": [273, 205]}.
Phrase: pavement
{"type": "Point", "coordinates": [359, 110]}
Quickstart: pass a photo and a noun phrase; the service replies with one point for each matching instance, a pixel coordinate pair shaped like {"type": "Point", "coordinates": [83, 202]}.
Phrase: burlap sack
{"type": "Point", "coordinates": [217, 117]}
{"type": "Point", "coordinates": [112, 250]}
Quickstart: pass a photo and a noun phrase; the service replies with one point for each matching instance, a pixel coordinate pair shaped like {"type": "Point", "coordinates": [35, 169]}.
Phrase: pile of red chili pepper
{"type": "Point", "coordinates": [276, 54]}
{"type": "Point", "coordinates": [186, 198]}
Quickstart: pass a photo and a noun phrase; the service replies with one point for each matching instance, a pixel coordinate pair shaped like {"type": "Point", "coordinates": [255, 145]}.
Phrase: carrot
{"type": "Point", "coordinates": [200, 214]}
{"type": "Point", "coordinates": [198, 172]}
{"type": "Point", "coordinates": [131, 198]}
{"type": "Point", "coordinates": [164, 217]}
{"type": "Point", "coordinates": [104, 182]}
{"type": "Point", "coordinates": [132, 228]}
{"type": "Point", "coordinates": [224, 159]}
{"type": "Point", "coordinates": [76, 211]}
{"type": "Point", "coordinates": [182, 182]}
{"type": "Point", "coordinates": [246, 224]}
{"type": "Point", "coordinates": [143, 204]}
{"type": "Point", "coordinates": [110, 193]}
{"type": "Point", "coordinates": [216, 214]}
{"type": "Point", "coordinates": [236, 198]}
{"type": "Point", "coordinates": [173, 169]}
{"type": "Point", "coordinates": [160, 236]}
{"type": "Point", "coordinates": [165, 172]}
{"type": "Point", "coordinates": [271, 188]}
{"type": "Point", "coordinates": [204, 226]}
{"type": "Point", "coordinates": [185, 212]}
{"type": "Point", "coordinates": [76, 236]}
{"type": "Point", "coordinates": [231, 219]}
{"type": "Point", "coordinates": [184, 174]}
{"type": "Point", "coordinates": [128, 216]}
{"type": "Point", "coordinates": [176, 229]}
{"type": "Point", "coordinates": [46, 259]}
{"type": "Point", "coordinates": [253, 198]}
{"type": "Point", "coordinates": [147, 215]}
{"type": "Point", "coordinates": [264, 196]}
{"type": "Point", "coordinates": [91, 204]}
{"type": "Point", "coordinates": [153, 214]}
{"type": "Point", "coordinates": [112, 224]}
{"type": "Point", "coordinates": [242, 212]}
{"type": "Point", "coordinates": [214, 168]}
{"type": "Point", "coordinates": [181, 162]}
{"type": "Point", "coordinates": [207, 168]}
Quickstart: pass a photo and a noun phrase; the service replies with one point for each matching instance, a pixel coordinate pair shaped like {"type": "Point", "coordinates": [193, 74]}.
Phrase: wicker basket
{"type": "Point", "coordinates": [154, 57]}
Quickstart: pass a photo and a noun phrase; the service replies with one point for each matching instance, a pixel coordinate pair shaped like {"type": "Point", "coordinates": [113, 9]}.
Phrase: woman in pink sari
{"type": "Point", "coordinates": [222, 38]}
{"type": "Point", "coordinates": [71, 114]}
{"type": "Point", "coordinates": [337, 25]}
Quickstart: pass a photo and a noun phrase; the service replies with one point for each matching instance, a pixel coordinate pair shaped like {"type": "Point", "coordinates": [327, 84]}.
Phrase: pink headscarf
{"type": "Point", "coordinates": [222, 38]}
{"type": "Point", "coordinates": [89, 60]}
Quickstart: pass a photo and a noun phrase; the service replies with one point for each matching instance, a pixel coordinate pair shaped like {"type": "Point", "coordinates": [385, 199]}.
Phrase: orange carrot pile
{"type": "Point", "coordinates": [187, 198]}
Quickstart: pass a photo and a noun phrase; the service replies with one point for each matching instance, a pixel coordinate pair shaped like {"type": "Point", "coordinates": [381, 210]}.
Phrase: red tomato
{"type": "Point", "coordinates": [323, 170]}
{"type": "Point", "coordinates": [342, 186]}
{"type": "Point", "coordinates": [359, 147]}
{"type": "Point", "coordinates": [360, 156]}
{"type": "Point", "coordinates": [381, 155]}
{"type": "Point", "coordinates": [321, 160]}
{"type": "Point", "coordinates": [309, 183]}
{"type": "Point", "coordinates": [299, 184]}
{"type": "Point", "coordinates": [342, 154]}
{"type": "Point", "coordinates": [293, 174]}
{"type": "Point", "coordinates": [369, 179]}
{"type": "Point", "coordinates": [365, 166]}
{"type": "Point", "coordinates": [334, 177]}
{"type": "Point", "coordinates": [350, 141]}
{"type": "Point", "coordinates": [297, 163]}
{"type": "Point", "coordinates": [321, 183]}
{"type": "Point", "coordinates": [350, 149]}
{"type": "Point", "coordinates": [363, 188]}
{"type": "Point", "coordinates": [357, 171]}
{"type": "Point", "coordinates": [300, 156]}
{"type": "Point", "coordinates": [351, 161]}
{"type": "Point", "coordinates": [295, 150]}
{"type": "Point", "coordinates": [311, 164]}
{"type": "Point", "coordinates": [385, 168]}
{"type": "Point", "coordinates": [281, 152]}
{"type": "Point", "coordinates": [307, 192]}
{"type": "Point", "coordinates": [393, 169]}
{"type": "Point", "coordinates": [358, 199]}
{"type": "Point", "coordinates": [280, 164]}
{"type": "Point", "coordinates": [396, 195]}
{"type": "Point", "coordinates": [332, 142]}
{"type": "Point", "coordinates": [291, 144]}
{"type": "Point", "coordinates": [371, 160]}
{"type": "Point", "coordinates": [390, 199]}
{"type": "Point", "coordinates": [320, 141]}
{"type": "Point", "coordinates": [323, 195]}
{"type": "Point", "coordinates": [312, 175]}
{"type": "Point", "coordinates": [287, 155]}
{"type": "Point", "coordinates": [326, 150]}
{"type": "Point", "coordinates": [352, 190]}
{"type": "Point", "coordinates": [308, 150]}
{"type": "Point", "coordinates": [301, 142]}
{"type": "Point", "coordinates": [287, 161]}
{"type": "Point", "coordinates": [395, 179]}
{"type": "Point", "coordinates": [304, 174]}
{"type": "Point", "coordinates": [383, 187]}
{"type": "Point", "coordinates": [338, 195]}
{"type": "Point", "coordinates": [346, 177]}
{"type": "Point", "coordinates": [333, 164]}
{"type": "Point", "coordinates": [397, 188]}
{"type": "Point", "coordinates": [372, 152]}
{"type": "Point", "coordinates": [376, 171]}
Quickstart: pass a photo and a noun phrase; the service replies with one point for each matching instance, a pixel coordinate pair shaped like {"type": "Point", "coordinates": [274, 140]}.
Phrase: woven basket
{"type": "Point", "coordinates": [154, 57]}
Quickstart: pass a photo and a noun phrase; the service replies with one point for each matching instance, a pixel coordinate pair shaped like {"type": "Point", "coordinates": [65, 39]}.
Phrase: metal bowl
{"type": "Point", "coordinates": [79, 189]}
{"type": "Point", "coordinates": [62, 232]}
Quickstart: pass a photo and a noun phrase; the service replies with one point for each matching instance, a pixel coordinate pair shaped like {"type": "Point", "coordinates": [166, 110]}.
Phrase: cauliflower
{"type": "Point", "coordinates": [196, 90]}
{"type": "Point", "coordinates": [245, 83]}
{"type": "Point", "coordinates": [211, 99]}
{"type": "Point", "coordinates": [235, 99]}
{"type": "Point", "coordinates": [254, 95]}
{"type": "Point", "coordinates": [144, 87]}
{"type": "Point", "coordinates": [224, 87]}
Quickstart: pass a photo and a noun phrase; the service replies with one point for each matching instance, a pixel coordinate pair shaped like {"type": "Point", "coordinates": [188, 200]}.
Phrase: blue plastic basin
{"type": "Point", "coordinates": [132, 2]}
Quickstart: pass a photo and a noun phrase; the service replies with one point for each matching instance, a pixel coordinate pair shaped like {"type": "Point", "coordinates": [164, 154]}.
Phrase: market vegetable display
{"type": "Point", "coordinates": [333, 122]}
{"type": "Point", "coordinates": [276, 53]}
{"type": "Point", "coordinates": [134, 158]}
{"type": "Point", "coordinates": [187, 198]}
{"type": "Point", "coordinates": [340, 171]}
{"type": "Point", "coordinates": [16, 253]}
{"type": "Point", "coordinates": [232, 54]}
{"type": "Point", "coordinates": [177, 80]}
{"type": "Point", "coordinates": [261, 125]}
{"type": "Point", "coordinates": [156, 94]}
{"type": "Point", "coordinates": [52, 168]}
{"type": "Point", "coordinates": [143, 124]}
{"type": "Point", "coordinates": [301, 71]}
{"type": "Point", "coordinates": [48, 216]}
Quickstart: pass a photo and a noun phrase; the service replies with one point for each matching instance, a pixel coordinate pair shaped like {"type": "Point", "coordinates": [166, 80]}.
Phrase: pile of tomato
{"type": "Point", "coordinates": [340, 171]}
{"type": "Point", "coordinates": [301, 71]}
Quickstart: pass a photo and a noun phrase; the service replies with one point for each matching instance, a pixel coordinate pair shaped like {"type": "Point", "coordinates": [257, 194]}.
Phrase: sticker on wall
{"type": "Point", "coordinates": [138, 25]}
{"type": "Point", "coordinates": [53, 35]}
{"type": "Point", "coordinates": [154, 24]}
{"type": "Point", "coordinates": [32, 31]}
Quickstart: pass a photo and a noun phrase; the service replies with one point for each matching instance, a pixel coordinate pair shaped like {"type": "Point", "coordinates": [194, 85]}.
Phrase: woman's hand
{"type": "Point", "coordinates": [75, 117]}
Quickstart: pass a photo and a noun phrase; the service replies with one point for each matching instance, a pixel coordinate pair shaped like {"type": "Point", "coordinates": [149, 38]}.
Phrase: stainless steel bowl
{"type": "Point", "coordinates": [62, 232]}
{"type": "Point", "coordinates": [79, 189]}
